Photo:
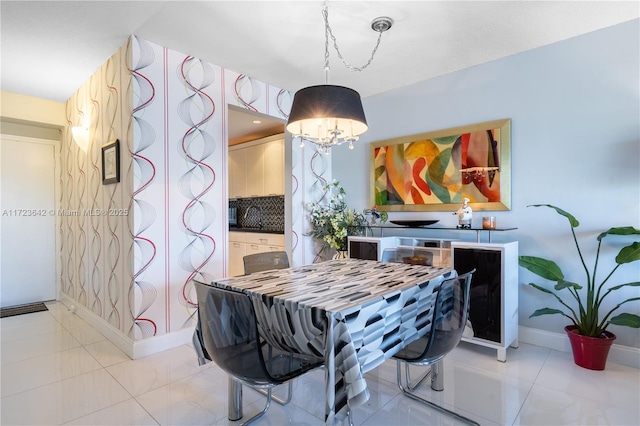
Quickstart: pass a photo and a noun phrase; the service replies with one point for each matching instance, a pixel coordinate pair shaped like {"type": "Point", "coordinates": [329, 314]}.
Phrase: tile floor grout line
{"type": "Point", "coordinates": [106, 372]}
{"type": "Point", "coordinates": [524, 400]}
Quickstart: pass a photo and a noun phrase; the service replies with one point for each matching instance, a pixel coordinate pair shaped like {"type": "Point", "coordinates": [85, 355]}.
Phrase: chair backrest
{"type": "Point", "coordinates": [265, 261]}
{"type": "Point", "coordinates": [229, 334]}
{"type": "Point", "coordinates": [449, 318]}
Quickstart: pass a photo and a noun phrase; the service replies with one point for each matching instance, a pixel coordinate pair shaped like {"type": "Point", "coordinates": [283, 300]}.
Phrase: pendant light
{"type": "Point", "coordinates": [329, 115]}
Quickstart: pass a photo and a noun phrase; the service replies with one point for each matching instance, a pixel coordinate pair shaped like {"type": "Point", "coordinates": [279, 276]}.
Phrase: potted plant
{"type": "Point", "coordinates": [590, 340]}
{"type": "Point", "coordinates": [332, 221]}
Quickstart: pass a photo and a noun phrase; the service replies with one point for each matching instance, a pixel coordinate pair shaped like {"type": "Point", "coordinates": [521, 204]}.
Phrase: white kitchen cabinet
{"type": "Point", "coordinates": [245, 243]}
{"type": "Point", "coordinates": [260, 243]}
{"type": "Point", "coordinates": [274, 167]}
{"type": "Point", "coordinates": [264, 239]}
{"type": "Point", "coordinates": [256, 169]}
{"type": "Point", "coordinates": [237, 250]}
{"type": "Point", "coordinates": [237, 173]}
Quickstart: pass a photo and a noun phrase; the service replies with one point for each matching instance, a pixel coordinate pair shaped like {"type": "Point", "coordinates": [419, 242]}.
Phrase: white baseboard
{"type": "Point", "coordinates": [124, 343]}
{"type": "Point", "coordinates": [134, 349]}
{"type": "Point", "coordinates": [163, 342]}
{"type": "Point", "coordinates": [618, 354]}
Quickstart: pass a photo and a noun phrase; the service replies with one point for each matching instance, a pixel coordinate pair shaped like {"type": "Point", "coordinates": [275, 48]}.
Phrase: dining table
{"type": "Point", "coordinates": [354, 313]}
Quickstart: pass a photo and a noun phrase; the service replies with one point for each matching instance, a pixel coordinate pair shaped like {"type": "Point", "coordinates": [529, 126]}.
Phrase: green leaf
{"type": "Point", "coordinates": [572, 220]}
{"type": "Point", "coordinates": [627, 320]}
{"type": "Point", "coordinates": [542, 289]}
{"type": "Point", "coordinates": [545, 268]}
{"type": "Point", "coordinates": [562, 284]}
{"type": "Point", "coordinates": [623, 230]}
{"type": "Point", "coordinates": [633, 284]}
{"type": "Point", "coordinates": [629, 254]}
{"type": "Point", "coordinates": [546, 311]}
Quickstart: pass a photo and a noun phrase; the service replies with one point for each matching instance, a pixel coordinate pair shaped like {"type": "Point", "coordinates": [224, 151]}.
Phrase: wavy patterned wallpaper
{"type": "Point", "coordinates": [169, 111]}
{"type": "Point", "coordinates": [94, 230]}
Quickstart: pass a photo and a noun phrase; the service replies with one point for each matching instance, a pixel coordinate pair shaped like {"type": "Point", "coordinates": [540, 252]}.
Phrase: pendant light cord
{"type": "Point", "coordinates": [328, 33]}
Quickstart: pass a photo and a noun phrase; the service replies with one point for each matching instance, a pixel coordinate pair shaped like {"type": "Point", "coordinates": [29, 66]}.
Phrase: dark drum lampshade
{"type": "Point", "coordinates": [327, 114]}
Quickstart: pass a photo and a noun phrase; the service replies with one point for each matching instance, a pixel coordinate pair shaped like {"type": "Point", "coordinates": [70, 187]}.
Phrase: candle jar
{"type": "Point", "coordinates": [489, 222]}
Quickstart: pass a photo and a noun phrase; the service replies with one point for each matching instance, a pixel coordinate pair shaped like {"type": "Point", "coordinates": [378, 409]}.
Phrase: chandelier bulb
{"type": "Point", "coordinates": [350, 145]}
{"type": "Point", "coordinates": [301, 143]}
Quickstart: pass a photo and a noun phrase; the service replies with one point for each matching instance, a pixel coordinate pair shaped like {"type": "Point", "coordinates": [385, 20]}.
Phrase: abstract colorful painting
{"type": "Point", "coordinates": [437, 170]}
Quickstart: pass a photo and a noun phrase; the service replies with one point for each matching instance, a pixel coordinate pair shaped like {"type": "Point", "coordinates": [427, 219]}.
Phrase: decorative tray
{"type": "Point", "coordinates": [414, 223]}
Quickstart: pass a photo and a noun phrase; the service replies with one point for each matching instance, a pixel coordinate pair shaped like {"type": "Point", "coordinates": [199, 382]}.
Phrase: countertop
{"type": "Point", "coordinates": [256, 230]}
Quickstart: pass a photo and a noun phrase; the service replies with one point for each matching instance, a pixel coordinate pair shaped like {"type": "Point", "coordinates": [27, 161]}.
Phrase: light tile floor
{"type": "Point", "coordinates": [56, 369]}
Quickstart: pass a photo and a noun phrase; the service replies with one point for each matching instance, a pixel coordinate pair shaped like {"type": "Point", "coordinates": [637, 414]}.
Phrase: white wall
{"type": "Point", "coordinates": [575, 111]}
{"type": "Point", "coordinates": [27, 109]}
{"type": "Point", "coordinates": [31, 117]}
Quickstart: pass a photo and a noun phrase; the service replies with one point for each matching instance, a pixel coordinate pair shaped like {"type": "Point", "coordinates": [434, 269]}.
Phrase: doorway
{"type": "Point", "coordinates": [247, 127]}
{"type": "Point", "coordinates": [27, 220]}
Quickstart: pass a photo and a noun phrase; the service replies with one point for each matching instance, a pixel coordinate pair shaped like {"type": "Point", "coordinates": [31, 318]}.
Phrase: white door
{"type": "Point", "coordinates": [27, 221]}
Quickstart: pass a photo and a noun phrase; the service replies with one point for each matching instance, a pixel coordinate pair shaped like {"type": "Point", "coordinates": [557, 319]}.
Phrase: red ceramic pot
{"type": "Point", "coordinates": [589, 352]}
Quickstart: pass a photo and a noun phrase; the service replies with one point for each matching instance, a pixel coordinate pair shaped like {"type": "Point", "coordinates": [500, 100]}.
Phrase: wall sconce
{"type": "Point", "coordinates": [81, 137]}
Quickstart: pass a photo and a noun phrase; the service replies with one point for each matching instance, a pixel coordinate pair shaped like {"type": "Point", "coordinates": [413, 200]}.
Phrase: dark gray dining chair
{"type": "Point", "coordinates": [259, 262]}
{"type": "Point", "coordinates": [448, 320]}
{"type": "Point", "coordinates": [267, 261]}
{"type": "Point", "coordinates": [228, 332]}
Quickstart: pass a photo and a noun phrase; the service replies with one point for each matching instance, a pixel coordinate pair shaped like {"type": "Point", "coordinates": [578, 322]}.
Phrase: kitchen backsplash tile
{"type": "Point", "coordinates": [272, 212]}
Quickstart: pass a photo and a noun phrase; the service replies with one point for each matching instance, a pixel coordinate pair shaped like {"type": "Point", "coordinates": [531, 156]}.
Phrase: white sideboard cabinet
{"type": "Point", "coordinates": [493, 303]}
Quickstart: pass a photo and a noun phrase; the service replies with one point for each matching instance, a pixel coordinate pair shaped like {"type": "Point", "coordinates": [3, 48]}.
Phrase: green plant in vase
{"type": "Point", "coordinates": [332, 221]}
{"type": "Point", "coordinates": [585, 311]}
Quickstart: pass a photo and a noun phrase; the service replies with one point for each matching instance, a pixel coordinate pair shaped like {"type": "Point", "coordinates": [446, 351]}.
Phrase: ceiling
{"type": "Point", "coordinates": [246, 126]}
{"type": "Point", "coordinates": [50, 48]}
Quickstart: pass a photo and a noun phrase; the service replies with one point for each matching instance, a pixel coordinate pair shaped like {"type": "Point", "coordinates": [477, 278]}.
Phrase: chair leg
{"type": "Point", "coordinates": [260, 414]}
{"type": "Point", "coordinates": [424, 401]}
{"type": "Point", "coordinates": [234, 394]}
{"type": "Point", "coordinates": [276, 398]}
{"type": "Point", "coordinates": [437, 378]}
{"type": "Point", "coordinates": [414, 385]}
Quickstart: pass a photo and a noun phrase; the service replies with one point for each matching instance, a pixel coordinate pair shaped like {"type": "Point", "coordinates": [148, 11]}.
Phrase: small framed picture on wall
{"type": "Point", "coordinates": [111, 162]}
